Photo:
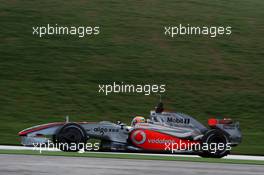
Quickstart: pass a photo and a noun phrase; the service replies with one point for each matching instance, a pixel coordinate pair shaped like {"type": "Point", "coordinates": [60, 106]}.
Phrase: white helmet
{"type": "Point", "coordinates": [137, 119]}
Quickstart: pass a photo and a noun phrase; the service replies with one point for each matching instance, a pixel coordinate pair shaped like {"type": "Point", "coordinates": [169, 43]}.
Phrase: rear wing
{"type": "Point", "coordinates": [232, 128]}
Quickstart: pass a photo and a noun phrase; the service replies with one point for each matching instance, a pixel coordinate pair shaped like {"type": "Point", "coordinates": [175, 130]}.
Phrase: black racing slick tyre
{"type": "Point", "coordinates": [71, 138]}
{"type": "Point", "coordinates": [215, 144]}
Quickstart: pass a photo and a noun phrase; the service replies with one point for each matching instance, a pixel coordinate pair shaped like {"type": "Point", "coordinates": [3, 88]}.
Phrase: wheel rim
{"type": "Point", "coordinates": [70, 137]}
{"type": "Point", "coordinates": [215, 140]}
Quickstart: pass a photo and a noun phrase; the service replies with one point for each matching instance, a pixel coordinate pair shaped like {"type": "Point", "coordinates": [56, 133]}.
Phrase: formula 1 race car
{"type": "Point", "coordinates": [164, 131]}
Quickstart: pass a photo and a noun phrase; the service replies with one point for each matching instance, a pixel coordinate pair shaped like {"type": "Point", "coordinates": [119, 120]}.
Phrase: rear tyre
{"type": "Point", "coordinates": [71, 138]}
{"type": "Point", "coordinates": [218, 144]}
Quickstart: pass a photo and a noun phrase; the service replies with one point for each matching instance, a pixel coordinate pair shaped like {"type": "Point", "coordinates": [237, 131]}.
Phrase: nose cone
{"type": "Point", "coordinates": [38, 128]}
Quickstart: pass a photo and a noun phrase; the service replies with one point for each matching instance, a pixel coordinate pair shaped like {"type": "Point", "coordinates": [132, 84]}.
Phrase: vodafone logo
{"type": "Point", "coordinates": [138, 137]}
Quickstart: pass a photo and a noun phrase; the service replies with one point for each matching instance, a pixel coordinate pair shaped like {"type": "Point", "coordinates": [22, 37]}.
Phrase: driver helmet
{"type": "Point", "coordinates": [137, 119]}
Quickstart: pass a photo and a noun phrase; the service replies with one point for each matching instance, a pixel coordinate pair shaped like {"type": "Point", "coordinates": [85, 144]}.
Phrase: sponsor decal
{"type": "Point", "coordinates": [161, 141]}
{"type": "Point", "coordinates": [104, 130]}
{"type": "Point", "coordinates": [178, 120]}
{"type": "Point", "coordinates": [153, 140]}
{"type": "Point", "coordinates": [138, 137]}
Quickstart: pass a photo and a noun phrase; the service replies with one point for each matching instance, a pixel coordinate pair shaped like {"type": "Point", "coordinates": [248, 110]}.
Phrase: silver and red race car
{"type": "Point", "coordinates": [164, 131]}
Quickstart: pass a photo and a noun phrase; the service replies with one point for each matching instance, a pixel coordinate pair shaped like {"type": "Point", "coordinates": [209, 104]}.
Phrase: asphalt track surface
{"type": "Point", "coordinates": [30, 164]}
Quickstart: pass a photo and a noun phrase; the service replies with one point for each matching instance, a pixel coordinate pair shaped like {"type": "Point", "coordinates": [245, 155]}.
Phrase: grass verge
{"type": "Point", "coordinates": [131, 156]}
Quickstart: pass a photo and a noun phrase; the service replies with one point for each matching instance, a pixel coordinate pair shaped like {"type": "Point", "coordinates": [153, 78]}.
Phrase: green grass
{"type": "Point", "coordinates": [43, 80]}
{"type": "Point", "coordinates": [131, 156]}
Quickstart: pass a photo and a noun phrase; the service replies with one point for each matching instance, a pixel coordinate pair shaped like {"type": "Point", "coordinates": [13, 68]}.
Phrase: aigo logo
{"type": "Point", "coordinates": [138, 137]}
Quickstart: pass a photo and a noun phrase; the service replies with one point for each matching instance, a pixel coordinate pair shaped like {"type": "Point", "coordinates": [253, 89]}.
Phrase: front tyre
{"type": "Point", "coordinates": [215, 144]}
{"type": "Point", "coordinates": [71, 138]}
